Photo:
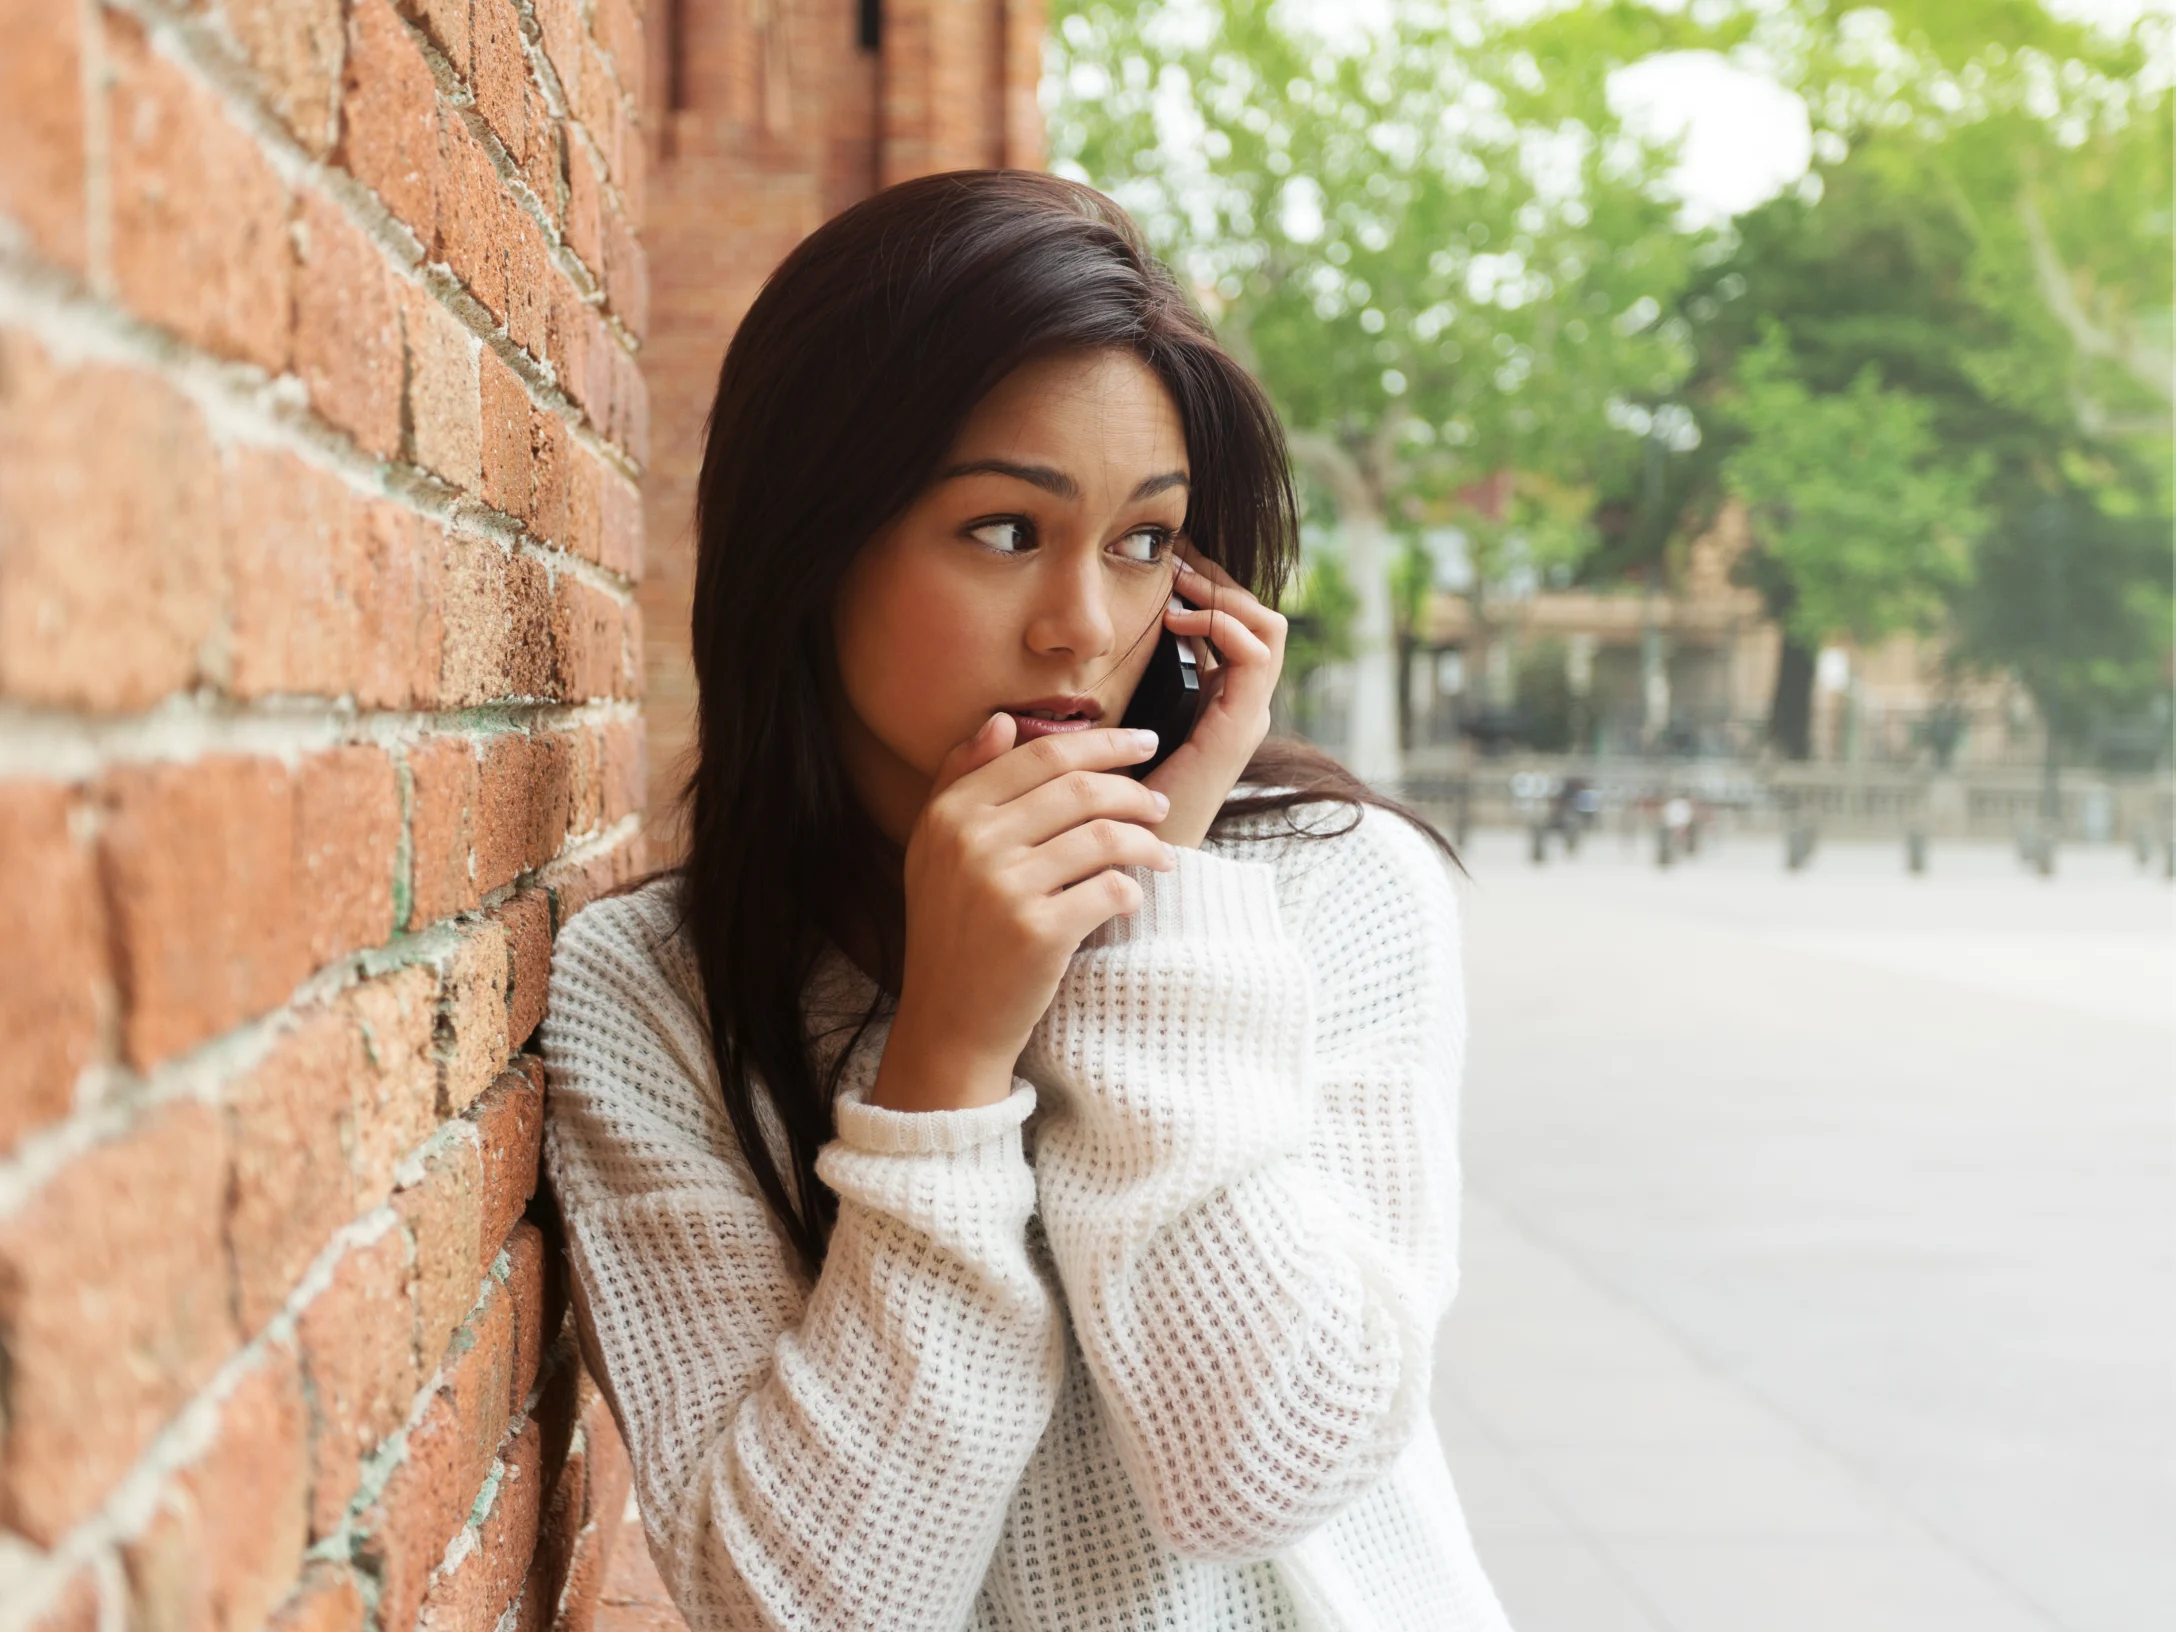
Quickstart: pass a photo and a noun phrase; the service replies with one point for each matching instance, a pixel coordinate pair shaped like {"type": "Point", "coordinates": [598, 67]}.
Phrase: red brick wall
{"type": "Point", "coordinates": [768, 118]}
{"type": "Point", "coordinates": [321, 434]}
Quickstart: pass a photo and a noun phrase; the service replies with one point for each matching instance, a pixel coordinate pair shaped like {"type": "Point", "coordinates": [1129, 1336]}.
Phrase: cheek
{"type": "Point", "coordinates": [911, 639]}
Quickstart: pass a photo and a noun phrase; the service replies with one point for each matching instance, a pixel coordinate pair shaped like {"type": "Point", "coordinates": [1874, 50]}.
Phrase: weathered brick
{"type": "Point", "coordinates": [553, 475]}
{"type": "Point", "coordinates": [291, 1122]}
{"type": "Point", "coordinates": [199, 868]}
{"type": "Point", "coordinates": [530, 277]}
{"type": "Point", "coordinates": [358, 1342]}
{"type": "Point", "coordinates": [445, 411]}
{"type": "Point", "coordinates": [113, 1312]}
{"type": "Point", "coordinates": [326, 1599]}
{"type": "Point", "coordinates": [41, 126]}
{"type": "Point", "coordinates": [524, 795]}
{"type": "Point", "coordinates": [564, 37]}
{"type": "Point", "coordinates": [389, 116]}
{"type": "Point", "coordinates": [226, 1539]}
{"type": "Point", "coordinates": [54, 979]}
{"type": "Point", "coordinates": [448, 24]}
{"type": "Point", "coordinates": [585, 206]}
{"type": "Point", "coordinates": [585, 641]}
{"type": "Point", "coordinates": [626, 274]}
{"type": "Point", "coordinates": [619, 524]}
{"type": "Point", "coordinates": [442, 786]}
{"type": "Point", "coordinates": [403, 1533]}
{"type": "Point", "coordinates": [442, 1210]}
{"type": "Point", "coordinates": [631, 651]}
{"type": "Point", "coordinates": [529, 614]}
{"type": "Point", "coordinates": [543, 167]}
{"type": "Point", "coordinates": [626, 749]}
{"type": "Point", "coordinates": [501, 73]}
{"type": "Point", "coordinates": [618, 27]}
{"type": "Point", "coordinates": [585, 757]}
{"type": "Point", "coordinates": [394, 1074]}
{"type": "Point", "coordinates": [510, 1127]}
{"type": "Point", "coordinates": [472, 1596]}
{"type": "Point", "coordinates": [473, 666]}
{"type": "Point", "coordinates": [595, 100]}
{"type": "Point", "coordinates": [110, 582]}
{"type": "Point", "coordinates": [527, 1286]}
{"type": "Point", "coordinates": [628, 424]}
{"type": "Point", "coordinates": [527, 919]}
{"type": "Point", "coordinates": [479, 1379]}
{"type": "Point", "coordinates": [200, 240]}
{"type": "Point", "coordinates": [575, 884]}
{"type": "Point", "coordinates": [347, 841]}
{"type": "Point", "coordinates": [470, 213]}
{"type": "Point", "coordinates": [607, 1475]}
{"type": "Point", "coordinates": [296, 47]}
{"type": "Point", "coordinates": [472, 1031]}
{"type": "Point", "coordinates": [347, 327]}
{"type": "Point", "coordinates": [333, 594]}
{"type": "Point", "coordinates": [506, 455]}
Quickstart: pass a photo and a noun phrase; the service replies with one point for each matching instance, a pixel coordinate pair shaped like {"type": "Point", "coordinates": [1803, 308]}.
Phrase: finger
{"type": "Point", "coordinates": [1064, 802]}
{"type": "Point", "coordinates": [1240, 645]}
{"type": "Point", "coordinates": [1093, 902]}
{"type": "Point", "coordinates": [1225, 596]}
{"type": "Point", "coordinates": [1031, 765]}
{"type": "Point", "coordinates": [987, 744]}
{"type": "Point", "coordinates": [1084, 851]}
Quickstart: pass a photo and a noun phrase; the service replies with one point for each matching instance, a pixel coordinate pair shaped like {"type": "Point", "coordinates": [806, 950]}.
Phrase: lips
{"type": "Point", "coordinates": [1048, 716]}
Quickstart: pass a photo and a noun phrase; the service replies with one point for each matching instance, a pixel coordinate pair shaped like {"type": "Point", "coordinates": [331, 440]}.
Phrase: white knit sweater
{"type": "Point", "coordinates": [1145, 1345]}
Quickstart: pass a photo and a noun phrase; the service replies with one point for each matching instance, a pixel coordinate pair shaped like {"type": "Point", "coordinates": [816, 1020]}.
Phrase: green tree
{"type": "Point", "coordinates": [1431, 240]}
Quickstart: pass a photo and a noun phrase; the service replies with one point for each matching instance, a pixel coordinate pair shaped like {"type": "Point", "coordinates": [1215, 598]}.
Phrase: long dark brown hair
{"type": "Point", "coordinates": [843, 389]}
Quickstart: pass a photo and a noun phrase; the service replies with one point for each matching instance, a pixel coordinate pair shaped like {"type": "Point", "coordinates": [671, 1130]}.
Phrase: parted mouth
{"type": "Point", "coordinates": [1059, 708]}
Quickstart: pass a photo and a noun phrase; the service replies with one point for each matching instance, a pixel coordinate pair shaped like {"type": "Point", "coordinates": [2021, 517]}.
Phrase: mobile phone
{"type": "Point", "coordinates": [1169, 696]}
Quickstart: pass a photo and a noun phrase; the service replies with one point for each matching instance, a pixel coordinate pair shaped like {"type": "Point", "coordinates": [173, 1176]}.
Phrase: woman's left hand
{"type": "Point", "coordinates": [1234, 717]}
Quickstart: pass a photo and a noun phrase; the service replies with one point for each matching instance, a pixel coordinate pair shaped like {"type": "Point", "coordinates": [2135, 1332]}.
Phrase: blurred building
{"type": "Point", "coordinates": [770, 116]}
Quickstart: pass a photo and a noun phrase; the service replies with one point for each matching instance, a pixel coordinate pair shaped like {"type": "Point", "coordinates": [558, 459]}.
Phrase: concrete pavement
{"type": "Point", "coordinates": [1818, 1268]}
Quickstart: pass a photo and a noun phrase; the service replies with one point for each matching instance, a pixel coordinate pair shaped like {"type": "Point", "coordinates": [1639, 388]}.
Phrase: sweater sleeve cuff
{"type": "Point", "coordinates": [1206, 897]}
{"type": "Point", "coordinates": [881, 1132]}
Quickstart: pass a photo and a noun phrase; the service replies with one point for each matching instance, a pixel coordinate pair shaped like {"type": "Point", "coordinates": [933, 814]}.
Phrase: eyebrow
{"type": "Point", "coordinates": [1056, 481]}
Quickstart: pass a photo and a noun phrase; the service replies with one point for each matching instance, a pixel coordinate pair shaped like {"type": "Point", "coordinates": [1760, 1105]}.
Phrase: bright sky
{"type": "Point", "coordinates": [1746, 138]}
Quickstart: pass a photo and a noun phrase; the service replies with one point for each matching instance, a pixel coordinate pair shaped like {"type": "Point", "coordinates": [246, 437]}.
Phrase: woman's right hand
{"type": "Point", "coordinates": [1009, 867]}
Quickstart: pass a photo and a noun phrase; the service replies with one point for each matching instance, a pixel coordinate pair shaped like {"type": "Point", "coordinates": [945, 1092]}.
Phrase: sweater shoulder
{"type": "Point", "coordinates": [1342, 860]}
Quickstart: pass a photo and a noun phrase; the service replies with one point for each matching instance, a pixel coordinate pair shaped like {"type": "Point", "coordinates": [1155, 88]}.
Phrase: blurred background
{"type": "Point", "coordinates": [1736, 447]}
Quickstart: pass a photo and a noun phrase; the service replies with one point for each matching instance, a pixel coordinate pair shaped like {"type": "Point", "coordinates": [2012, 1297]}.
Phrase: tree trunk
{"type": "Point", "coordinates": [1790, 714]}
{"type": "Point", "coordinates": [1371, 739]}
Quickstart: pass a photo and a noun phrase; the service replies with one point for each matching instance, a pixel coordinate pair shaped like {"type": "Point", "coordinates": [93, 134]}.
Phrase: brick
{"type": "Point", "coordinates": [473, 1027]}
{"type": "Point", "coordinates": [626, 274]}
{"type": "Point", "coordinates": [473, 607]}
{"type": "Point", "coordinates": [110, 582]}
{"type": "Point", "coordinates": [442, 790]}
{"type": "Point", "coordinates": [389, 117]}
{"type": "Point", "coordinates": [626, 769]}
{"type": "Point", "coordinates": [347, 843]}
{"type": "Point", "coordinates": [575, 884]}
{"type": "Point", "coordinates": [531, 276]}
{"type": "Point", "coordinates": [525, 793]}
{"type": "Point", "coordinates": [510, 1128]}
{"type": "Point", "coordinates": [479, 1379]}
{"type": "Point", "coordinates": [543, 167]}
{"type": "Point", "coordinates": [632, 649]}
{"type": "Point", "coordinates": [585, 641]}
{"type": "Point", "coordinates": [472, 1596]}
{"type": "Point", "coordinates": [470, 213]}
{"type": "Point", "coordinates": [445, 411]}
{"type": "Point", "coordinates": [55, 984]}
{"type": "Point", "coordinates": [564, 37]}
{"type": "Point", "coordinates": [358, 1343]}
{"type": "Point", "coordinates": [403, 1533]}
{"type": "Point", "coordinates": [200, 239]}
{"type": "Point", "coordinates": [347, 327]}
{"type": "Point", "coordinates": [442, 1213]}
{"type": "Point", "coordinates": [529, 623]}
{"type": "Point", "coordinates": [527, 920]}
{"type": "Point", "coordinates": [619, 524]}
{"type": "Point", "coordinates": [607, 1475]}
{"type": "Point", "coordinates": [595, 100]}
{"type": "Point", "coordinates": [198, 861]}
{"type": "Point", "coordinates": [113, 1312]}
{"type": "Point", "coordinates": [297, 47]}
{"type": "Point", "coordinates": [501, 73]}
{"type": "Point", "coordinates": [448, 24]}
{"type": "Point", "coordinates": [585, 206]}
{"type": "Point", "coordinates": [326, 1599]}
{"type": "Point", "coordinates": [559, 1531]}
{"type": "Point", "coordinates": [529, 1289]}
{"type": "Point", "coordinates": [41, 126]}
{"type": "Point", "coordinates": [628, 421]}
{"type": "Point", "coordinates": [506, 456]}
{"type": "Point", "coordinates": [553, 472]}
{"type": "Point", "coordinates": [291, 1123]}
{"type": "Point", "coordinates": [393, 1078]}
{"type": "Point", "coordinates": [226, 1539]}
{"type": "Point", "coordinates": [333, 594]}
{"type": "Point", "coordinates": [618, 27]}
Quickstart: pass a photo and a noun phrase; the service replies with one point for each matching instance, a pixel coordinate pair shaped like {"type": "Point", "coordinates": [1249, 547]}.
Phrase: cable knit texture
{"type": "Point", "coordinates": [1144, 1346]}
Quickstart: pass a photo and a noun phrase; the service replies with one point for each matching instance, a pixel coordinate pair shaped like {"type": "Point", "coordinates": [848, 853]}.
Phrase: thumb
{"type": "Point", "coordinates": [996, 736]}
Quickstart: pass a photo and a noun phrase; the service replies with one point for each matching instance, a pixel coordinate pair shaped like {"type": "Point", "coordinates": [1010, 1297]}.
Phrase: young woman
{"type": "Point", "coordinates": [1003, 1191]}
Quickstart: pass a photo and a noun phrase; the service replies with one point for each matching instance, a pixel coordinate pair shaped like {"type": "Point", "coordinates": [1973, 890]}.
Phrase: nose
{"type": "Point", "coordinates": [1072, 610]}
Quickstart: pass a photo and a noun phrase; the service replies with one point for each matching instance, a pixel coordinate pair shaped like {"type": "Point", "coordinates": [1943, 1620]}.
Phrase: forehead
{"type": "Point", "coordinates": [1083, 412]}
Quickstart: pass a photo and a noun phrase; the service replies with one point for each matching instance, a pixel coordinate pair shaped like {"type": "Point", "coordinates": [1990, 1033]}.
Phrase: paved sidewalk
{"type": "Point", "coordinates": [1818, 1244]}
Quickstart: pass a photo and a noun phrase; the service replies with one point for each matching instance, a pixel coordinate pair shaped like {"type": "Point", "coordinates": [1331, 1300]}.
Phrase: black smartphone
{"type": "Point", "coordinates": [1169, 696]}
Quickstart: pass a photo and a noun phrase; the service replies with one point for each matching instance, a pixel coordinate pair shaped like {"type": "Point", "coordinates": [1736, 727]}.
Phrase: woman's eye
{"type": "Point", "coordinates": [1144, 544]}
{"type": "Point", "coordinates": [1010, 537]}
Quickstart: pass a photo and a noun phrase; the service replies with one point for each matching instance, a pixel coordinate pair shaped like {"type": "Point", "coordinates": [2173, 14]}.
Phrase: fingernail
{"type": "Point", "coordinates": [1145, 741]}
{"type": "Point", "coordinates": [1163, 804]}
{"type": "Point", "coordinates": [1171, 854]}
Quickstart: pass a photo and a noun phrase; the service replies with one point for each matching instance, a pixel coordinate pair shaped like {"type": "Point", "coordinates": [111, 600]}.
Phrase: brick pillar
{"type": "Point", "coordinates": [321, 442]}
{"type": "Point", "coordinates": [770, 116]}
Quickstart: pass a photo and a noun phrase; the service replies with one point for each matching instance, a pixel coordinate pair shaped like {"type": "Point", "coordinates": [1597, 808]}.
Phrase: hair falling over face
{"type": "Point", "coordinates": [842, 390]}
